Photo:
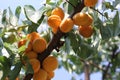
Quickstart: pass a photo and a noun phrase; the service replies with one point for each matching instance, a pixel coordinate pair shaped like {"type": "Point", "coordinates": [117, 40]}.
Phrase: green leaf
{"type": "Point", "coordinates": [67, 45]}
{"type": "Point", "coordinates": [29, 69]}
{"type": "Point", "coordinates": [4, 20]}
{"type": "Point", "coordinates": [17, 12]}
{"type": "Point", "coordinates": [74, 42]}
{"type": "Point", "coordinates": [70, 7]}
{"type": "Point", "coordinates": [105, 31]}
{"type": "Point", "coordinates": [12, 19]}
{"type": "Point", "coordinates": [1, 44]}
{"type": "Point", "coordinates": [10, 11]}
{"type": "Point", "coordinates": [47, 1]}
{"type": "Point", "coordinates": [116, 24]}
{"type": "Point", "coordinates": [15, 71]}
{"type": "Point", "coordinates": [5, 62]}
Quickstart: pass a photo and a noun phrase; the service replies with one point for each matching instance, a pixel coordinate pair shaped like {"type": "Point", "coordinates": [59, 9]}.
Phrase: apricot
{"type": "Point", "coordinates": [23, 42]}
{"type": "Point", "coordinates": [31, 54]}
{"type": "Point", "coordinates": [82, 19]}
{"type": "Point", "coordinates": [58, 11]}
{"type": "Point", "coordinates": [39, 45]}
{"type": "Point", "coordinates": [90, 3]}
{"type": "Point", "coordinates": [40, 75]}
{"type": "Point", "coordinates": [66, 25]}
{"type": "Point", "coordinates": [32, 36]}
{"type": "Point", "coordinates": [54, 21]}
{"type": "Point", "coordinates": [50, 63]}
{"type": "Point", "coordinates": [35, 65]}
{"type": "Point", "coordinates": [50, 75]}
{"type": "Point", "coordinates": [86, 31]}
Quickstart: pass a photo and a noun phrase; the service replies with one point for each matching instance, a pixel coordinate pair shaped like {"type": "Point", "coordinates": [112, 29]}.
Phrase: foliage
{"type": "Point", "coordinates": [103, 46]}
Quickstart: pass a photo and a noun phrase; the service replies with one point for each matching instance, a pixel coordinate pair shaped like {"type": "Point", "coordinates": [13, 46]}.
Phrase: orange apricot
{"type": "Point", "coordinates": [66, 25]}
{"type": "Point", "coordinates": [39, 45]}
{"type": "Point", "coordinates": [54, 21]}
{"type": "Point", "coordinates": [58, 11]}
{"type": "Point", "coordinates": [50, 63]}
{"type": "Point", "coordinates": [35, 65]}
{"type": "Point", "coordinates": [50, 75]}
{"type": "Point", "coordinates": [31, 54]}
{"type": "Point", "coordinates": [32, 36]}
{"type": "Point", "coordinates": [40, 75]}
{"type": "Point", "coordinates": [90, 3]}
{"type": "Point", "coordinates": [82, 19]}
{"type": "Point", "coordinates": [23, 42]}
{"type": "Point", "coordinates": [86, 31]}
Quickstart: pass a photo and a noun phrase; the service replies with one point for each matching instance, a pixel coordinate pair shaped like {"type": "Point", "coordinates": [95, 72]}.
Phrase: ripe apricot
{"type": "Point", "coordinates": [66, 25]}
{"type": "Point", "coordinates": [58, 11]}
{"type": "Point", "coordinates": [35, 65]}
{"type": "Point", "coordinates": [82, 19]}
{"type": "Point", "coordinates": [50, 63]}
{"type": "Point", "coordinates": [86, 31]}
{"type": "Point", "coordinates": [50, 75]}
{"type": "Point", "coordinates": [23, 42]}
{"type": "Point", "coordinates": [40, 75]}
{"type": "Point", "coordinates": [54, 30]}
{"type": "Point", "coordinates": [28, 47]}
{"type": "Point", "coordinates": [54, 21]}
{"type": "Point", "coordinates": [32, 36]}
{"type": "Point", "coordinates": [39, 45]}
{"type": "Point", "coordinates": [31, 54]}
{"type": "Point", "coordinates": [90, 3]}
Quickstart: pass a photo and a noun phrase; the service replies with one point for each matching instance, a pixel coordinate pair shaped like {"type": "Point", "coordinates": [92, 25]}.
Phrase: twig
{"type": "Point", "coordinates": [97, 11]}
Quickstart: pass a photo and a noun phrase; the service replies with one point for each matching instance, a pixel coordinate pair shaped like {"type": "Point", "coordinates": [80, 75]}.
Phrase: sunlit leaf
{"type": "Point", "coordinates": [34, 15]}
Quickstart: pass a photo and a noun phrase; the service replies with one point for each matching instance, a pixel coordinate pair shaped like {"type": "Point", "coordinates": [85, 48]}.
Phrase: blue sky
{"type": "Point", "coordinates": [60, 74]}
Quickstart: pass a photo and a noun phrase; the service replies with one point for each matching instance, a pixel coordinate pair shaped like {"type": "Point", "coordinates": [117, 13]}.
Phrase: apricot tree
{"type": "Point", "coordinates": [81, 35]}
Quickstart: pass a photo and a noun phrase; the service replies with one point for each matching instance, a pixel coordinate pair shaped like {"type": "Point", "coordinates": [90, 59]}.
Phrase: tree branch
{"type": "Point", "coordinates": [54, 43]}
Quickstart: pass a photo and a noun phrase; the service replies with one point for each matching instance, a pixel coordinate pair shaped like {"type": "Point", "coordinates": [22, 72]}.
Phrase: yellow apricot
{"type": "Point", "coordinates": [50, 63]}
{"type": "Point", "coordinates": [39, 45]}
{"type": "Point", "coordinates": [90, 3]}
{"type": "Point", "coordinates": [35, 64]}
{"type": "Point", "coordinates": [58, 11]}
{"type": "Point", "coordinates": [31, 54]}
{"type": "Point", "coordinates": [82, 19]}
{"type": "Point", "coordinates": [40, 75]}
{"type": "Point", "coordinates": [86, 31]}
{"type": "Point", "coordinates": [54, 21]}
{"type": "Point", "coordinates": [66, 25]}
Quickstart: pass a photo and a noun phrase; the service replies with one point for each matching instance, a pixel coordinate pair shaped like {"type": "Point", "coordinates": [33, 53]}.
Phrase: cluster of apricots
{"type": "Point", "coordinates": [35, 45]}
{"type": "Point", "coordinates": [56, 21]}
